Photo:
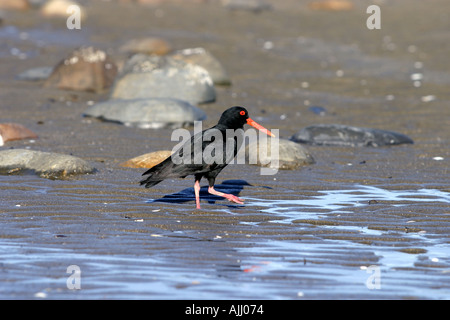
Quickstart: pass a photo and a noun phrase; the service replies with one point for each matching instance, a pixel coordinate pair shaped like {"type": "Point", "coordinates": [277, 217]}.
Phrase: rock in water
{"type": "Point", "coordinates": [206, 60]}
{"type": "Point", "coordinates": [148, 160]}
{"type": "Point", "coordinates": [146, 76]}
{"type": "Point", "coordinates": [290, 155]}
{"type": "Point", "coordinates": [147, 113]}
{"type": "Point", "coordinates": [340, 135]}
{"type": "Point", "coordinates": [85, 69]}
{"type": "Point", "coordinates": [14, 131]}
{"type": "Point", "coordinates": [44, 164]}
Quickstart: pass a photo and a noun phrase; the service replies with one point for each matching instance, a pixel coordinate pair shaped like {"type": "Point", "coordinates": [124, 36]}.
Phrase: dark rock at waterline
{"type": "Point", "coordinates": [147, 113]}
{"type": "Point", "coordinates": [44, 164]}
{"type": "Point", "coordinates": [85, 69]}
{"type": "Point", "coordinates": [341, 135]}
{"type": "Point", "coordinates": [289, 156]}
{"type": "Point", "coordinates": [146, 76]}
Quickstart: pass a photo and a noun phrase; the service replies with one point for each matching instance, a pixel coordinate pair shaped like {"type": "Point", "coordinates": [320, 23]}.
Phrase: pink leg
{"type": "Point", "coordinates": [197, 193]}
{"type": "Point", "coordinates": [230, 197]}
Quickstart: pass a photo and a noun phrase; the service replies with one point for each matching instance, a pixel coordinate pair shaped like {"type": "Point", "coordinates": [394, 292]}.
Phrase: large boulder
{"type": "Point", "coordinates": [85, 69]}
{"type": "Point", "coordinates": [341, 135]}
{"type": "Point", "coordinates": [206, 60]}
{"type": "Point", "coordinates": [146, 76]}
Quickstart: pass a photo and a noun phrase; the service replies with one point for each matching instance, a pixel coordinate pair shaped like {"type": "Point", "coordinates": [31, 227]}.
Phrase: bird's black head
{"type": "Point", "coordinates": [234, 117]}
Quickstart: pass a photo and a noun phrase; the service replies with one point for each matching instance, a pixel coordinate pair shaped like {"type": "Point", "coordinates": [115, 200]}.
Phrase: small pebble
{"type": "Point", "coordinates": [417, 77]}
{"type": "Point", "coordinates": [40, 295]}
{"type": "Point", "coordinates": [412, 48]}
{"type": "Point", "coordinates": [390, 97]}
{"type": "Point", "coordinates": [428, 98]}
{"type": "Point", "coordinates": [268, 45]}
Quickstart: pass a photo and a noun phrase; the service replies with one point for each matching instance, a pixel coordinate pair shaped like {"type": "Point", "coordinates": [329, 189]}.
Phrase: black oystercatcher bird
{"type": "Point", "coordinates": [191, 160]}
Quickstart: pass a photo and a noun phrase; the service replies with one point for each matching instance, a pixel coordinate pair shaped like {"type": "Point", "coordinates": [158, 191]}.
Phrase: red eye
{"type": "Point", "coordinates": [242, 113]}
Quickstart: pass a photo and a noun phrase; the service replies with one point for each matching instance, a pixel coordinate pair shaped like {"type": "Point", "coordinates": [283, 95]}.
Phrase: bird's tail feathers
{"type": "Point", "coordinates": [149, 182]}
{"type": "Point", "coordinates": [152, 179]}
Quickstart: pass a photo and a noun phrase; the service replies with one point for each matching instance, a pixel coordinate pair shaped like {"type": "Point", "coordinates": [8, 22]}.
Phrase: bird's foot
{"type": "Point", "coordinates": [233, 198]}
{"type": "Point", "coordinates": [229, 197]}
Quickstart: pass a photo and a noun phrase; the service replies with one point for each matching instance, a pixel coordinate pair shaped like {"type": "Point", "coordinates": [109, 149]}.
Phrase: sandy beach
{"type": "Point", "coordinates": [359, 223]}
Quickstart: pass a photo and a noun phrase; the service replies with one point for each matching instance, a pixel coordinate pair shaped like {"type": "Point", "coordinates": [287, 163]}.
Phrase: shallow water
{"type": "Point", "coordinates": [337, 201]}
{"type": "Point", "coordinates": [202, 254]}
{"type": "Point", "coordinates": [361, 223]}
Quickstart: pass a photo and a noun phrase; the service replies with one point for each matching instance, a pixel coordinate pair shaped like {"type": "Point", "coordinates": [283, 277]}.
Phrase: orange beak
{"type": "Point", "coordinates": [259, 127]}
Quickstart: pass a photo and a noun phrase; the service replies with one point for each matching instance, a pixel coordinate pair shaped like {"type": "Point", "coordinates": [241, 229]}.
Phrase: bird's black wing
{"type": "Point", "coordinates": [187, 160]}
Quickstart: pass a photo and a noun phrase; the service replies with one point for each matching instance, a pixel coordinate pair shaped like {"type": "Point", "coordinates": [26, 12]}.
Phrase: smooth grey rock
{"type": "Point", "coordinates": [146, 76]}
{"type": "Point", "coordinates": [341, 135]}
{"type": "Point", "coordinates": [35, 74]}
{"type": "Point", "coordinates": [290, 155]}
{"type": "Point", "coordinates": [147, 113]}
{"type": "Point", "coordinates": [44, 164]}
{"type": "Point", "coordinates": [247, 5]}
{"type": "Point", "coordinates": [206, 60]}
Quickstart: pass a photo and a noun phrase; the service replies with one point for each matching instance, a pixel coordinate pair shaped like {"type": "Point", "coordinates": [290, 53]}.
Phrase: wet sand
{"type": "Point", "coordinates": [325, 231]}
